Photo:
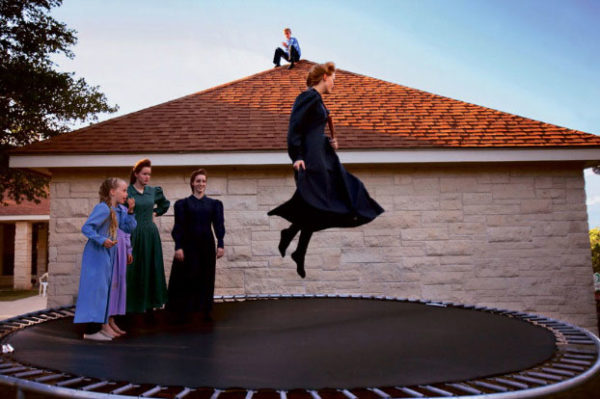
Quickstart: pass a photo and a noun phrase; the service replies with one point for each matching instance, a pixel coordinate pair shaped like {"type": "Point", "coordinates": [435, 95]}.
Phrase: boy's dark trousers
{"type": "Point", "coordinates": [280, 53]}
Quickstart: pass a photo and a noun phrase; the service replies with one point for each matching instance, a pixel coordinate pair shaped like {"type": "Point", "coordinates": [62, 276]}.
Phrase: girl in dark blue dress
{"type": "Point", "coordinates": [192, 281]}
{"type": "Point", "coordinates": [326, 194]}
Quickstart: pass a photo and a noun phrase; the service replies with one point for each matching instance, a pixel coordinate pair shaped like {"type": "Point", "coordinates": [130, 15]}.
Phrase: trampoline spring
{"type": "Point", "coordinates": [216, 394]}
{"type": "Point", "coordinates": [410, 392]}
{"type": "Point", "coordinates": [465, 388]}
{"type": "Point", "coordinates": [568, 366]}
{"type": "Point", "coordinates": [68, 382]}
{"type": "Point", "coordinates": [348, 394]}
{"type": "Point", "coordinates": [14, 369]}
{"type": "Point", "coordinates": [436, 304]}
{"type": "Point", "coordinates": [124, 388]}
{"type": "Point", "coordinates": [530, 379]}
{"type": "Point", "coordinates": [29, 373]}
{"type": "Point", "coordinates": [573, 361]}
{"type": "Point", "coordinates": [379, 392]}
{"type": "Point", "coordinates": [490, 386]}
{"type": "Point", "coordinates": [582, 357]}
{"type": "Point", "coordinates": [437, 391]}
{"type": "Point", "coordinates": [96, 385]}
{"type": "Point", "coordinates": [49, 377]}
{"type": "Point", "coordinates": [249, 394]}
{"type": "Point", "coordinates": [183, 393]}
{"type": "Point", "coordinates": [151, 392]}
{"type": "Point", "coordinates": [544, 375]}
{"type": "Point", "coordinates": [314, 394]}
{"type": "Point", "coordinates": [559, 372]}
{"type": "Point", "coordinates": [511, 383]}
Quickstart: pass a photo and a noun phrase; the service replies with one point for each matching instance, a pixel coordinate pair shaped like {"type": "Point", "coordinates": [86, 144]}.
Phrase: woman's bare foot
{"type": "Point", "coordinates": [115, 327]}
{"type": "Point", "coordinates": [108, 331]}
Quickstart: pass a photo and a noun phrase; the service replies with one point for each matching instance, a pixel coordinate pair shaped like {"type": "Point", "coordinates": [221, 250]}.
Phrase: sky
{"type": "Point", "coordinates": [535, 58]}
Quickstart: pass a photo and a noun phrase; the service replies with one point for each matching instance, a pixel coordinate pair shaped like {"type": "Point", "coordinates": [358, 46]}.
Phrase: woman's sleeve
{"type": "Point", "coordinates": [91, 226]}
{"type": "Point", "coordinates": [218, 223]}
{"type": "Point", "coordinates": [295, 138]}
{"type": "Point", "coordinates": [178, 228]}
{"type": "Point", "coordinates": [127, 222]}
{"type": "Point", "coordinates": [161, 202]}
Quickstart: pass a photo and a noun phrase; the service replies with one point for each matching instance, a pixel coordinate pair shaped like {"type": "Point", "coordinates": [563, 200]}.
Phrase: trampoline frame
{"type": "Point", "coordinates": [576, 359]}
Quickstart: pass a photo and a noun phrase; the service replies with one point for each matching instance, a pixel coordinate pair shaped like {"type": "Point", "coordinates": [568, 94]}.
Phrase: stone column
{"type": "Point", "coordinates": [23, 253]}
{"type": "Point", "coordinates": [42, 249]}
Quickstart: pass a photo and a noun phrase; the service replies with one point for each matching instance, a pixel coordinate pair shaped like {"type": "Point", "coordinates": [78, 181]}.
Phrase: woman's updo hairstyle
{"type": "Point", "coordinates": [137, 168]}
{"type": "Point", "coordinates": [316, 73]}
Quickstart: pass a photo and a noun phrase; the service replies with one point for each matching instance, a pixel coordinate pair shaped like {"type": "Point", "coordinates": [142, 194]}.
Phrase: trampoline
{"type": "Point", "coordinates": [306, 346]}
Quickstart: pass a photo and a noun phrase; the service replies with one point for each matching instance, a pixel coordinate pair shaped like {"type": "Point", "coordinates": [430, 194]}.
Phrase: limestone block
{"type": "Point", "coordinates": [551, 229]}
{"type": "Point", "coordinates": [238, 236]}
{"type": "Point", "coordinates": [236, 253]}
{"type": "Point", "coordinates": [383, 272]}
{"type": "Point", "coordinates": [513, 190]}
{"type": "Point", "coordinates": [446, 216]}
{"type": "Point", "coordinates": [465, 229]}
{"type": "Point", "coordinates": [491, 209]}
{"type": "Point", "coordinates": [477, 198]}
{"type": "Point", "coordinates": [509, 234]}
{"type": "Point", "coordinates": [72, 207]}
{"type": "Point", "coordinates": [264, 248]}
{"type": "Point", "coordinates": [239, 203]}
{"type": "Point", "coordinates": [216, 185]}
{"type": "Point", "coordinates": [52, 253]}
{"type": "Point", "coordinates": [416, 203]}
{"type": "Point", "coordinates": [278, 182]}
{"type": "Point", "coordinates": [69, 225]}
{"type": "Point", "coordinates": [460, 184]}
{"type": "Point", "coordinates": [552, 193]}
{"type": "Point", "coordinates": [60, 300]}
{"type": "Point", "coordinates": [536, 206]}
{"type": "Point", "coordinates": [360, 255]}
{"type": "Point", "coordinates": [247, 219]}
{"type": "Point", "coordinates": [60, 190]}
{"type": "Point", "coordinates": [425, 234]}
{"type": "Point", "coordinates": [381, 241]}
{"type": "Point", "coordinates": [445, 248]}
{"type": "Point", "coordinates": [273, 196]}
{"type": "Point", "coordinates": [229, 278]}
{"type": "Point", "coordinates": [394, 220]}
{"type": "Point", "coordinates": [242, 186]}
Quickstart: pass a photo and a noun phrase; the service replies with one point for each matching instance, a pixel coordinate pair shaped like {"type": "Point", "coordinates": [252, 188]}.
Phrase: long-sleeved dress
{"type": "Point", "coordinates": [97, 264]}
{"type": "Point", "coordinates": [192, 282]}
{"type": "Point", "coordinates": [118, 287]}
{"type": "Point", "coordinates": [146, 284]}
{"type": "Point", "coordinates": [326, 194]}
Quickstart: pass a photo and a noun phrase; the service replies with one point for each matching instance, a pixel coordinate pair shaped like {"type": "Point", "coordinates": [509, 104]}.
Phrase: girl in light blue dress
{"type": "Point", "coordinates": [98, 257]}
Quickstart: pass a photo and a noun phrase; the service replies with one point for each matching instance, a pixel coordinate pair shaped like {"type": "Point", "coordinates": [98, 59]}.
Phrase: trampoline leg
{"type": "Point", "coordinates": [20, 393]}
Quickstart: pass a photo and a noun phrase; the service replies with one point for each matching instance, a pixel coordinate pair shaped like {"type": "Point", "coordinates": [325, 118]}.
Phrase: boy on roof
{"type": "Point", "coordinates": [291, 52]}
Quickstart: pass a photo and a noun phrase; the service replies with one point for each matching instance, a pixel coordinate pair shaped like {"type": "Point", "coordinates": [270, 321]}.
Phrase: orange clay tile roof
{"type": "Point", "coordinates": [252, 114]}
{"type": "Point", "coordinates": [25, 208]}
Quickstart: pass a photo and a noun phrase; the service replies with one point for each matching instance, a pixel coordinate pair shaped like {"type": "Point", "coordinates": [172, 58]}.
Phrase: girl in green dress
{"type": "Point", "coordinates": [146, 285]}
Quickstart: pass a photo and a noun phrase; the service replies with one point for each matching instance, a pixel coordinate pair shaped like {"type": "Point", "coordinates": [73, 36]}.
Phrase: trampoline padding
{"type": "Point", "coordinates": [300, 343]}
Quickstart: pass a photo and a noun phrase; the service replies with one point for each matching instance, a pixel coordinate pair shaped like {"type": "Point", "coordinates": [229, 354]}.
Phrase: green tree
{"type": "Point", "coordinates": [595, 245]}
{"type": "Point", "coordinates": [37, 101]}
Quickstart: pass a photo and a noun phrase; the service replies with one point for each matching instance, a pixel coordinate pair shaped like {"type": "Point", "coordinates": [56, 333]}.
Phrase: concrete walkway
{"type": "Point", "coordinates": [10, 309]}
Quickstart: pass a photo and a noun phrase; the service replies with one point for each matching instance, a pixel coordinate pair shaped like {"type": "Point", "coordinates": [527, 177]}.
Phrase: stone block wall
{"type": "Point", "coordinates": [510, 236]}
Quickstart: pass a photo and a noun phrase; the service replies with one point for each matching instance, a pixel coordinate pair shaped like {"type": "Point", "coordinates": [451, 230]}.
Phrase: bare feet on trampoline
{"type": "Point", "coordinates": [113, 325]}
{"type": "Point", "coordinates": [99, 336]}
{"type": "Point", "coordinates": [286, 238]}
{"type": "Point", "coordinates": [108, 331]}
{"type": "Point", "coordinates": [299, 259]}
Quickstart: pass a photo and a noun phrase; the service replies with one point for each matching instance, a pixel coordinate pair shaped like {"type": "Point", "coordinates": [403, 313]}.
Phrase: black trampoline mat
{"type": "Point", "coordinates": [299, 343]}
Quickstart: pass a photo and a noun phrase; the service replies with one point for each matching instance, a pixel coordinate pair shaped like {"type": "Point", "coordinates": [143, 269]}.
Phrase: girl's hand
{"type": "Point", "coordinates": [130, 205]}
{"type": "Point", "coordinates": [299, 164]}
{"type": "Point", "coordinates": [109, 243]}
{"type": "Point", "coordinates": [220, 252]}
{"type": "Point", "coordinates": [333, 143]}
{"type": "Point", "coordinates": [129, 259]}
{"type": "Point", "coordinates": [179, 255]}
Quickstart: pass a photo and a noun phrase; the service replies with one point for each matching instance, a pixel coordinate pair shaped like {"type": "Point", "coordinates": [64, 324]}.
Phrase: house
{"type": "Point", "coordinates": [482, 207]}
{"type": "Point", "coordinates": [23, 243]}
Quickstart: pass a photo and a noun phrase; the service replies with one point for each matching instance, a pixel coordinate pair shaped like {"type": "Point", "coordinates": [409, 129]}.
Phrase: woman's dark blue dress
{"type": "Point", "coordinates": [326, 194]}
{"type": "Point", "coordinates": [192, 282]}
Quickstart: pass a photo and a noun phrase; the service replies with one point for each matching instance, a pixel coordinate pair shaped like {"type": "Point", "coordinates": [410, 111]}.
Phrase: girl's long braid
{"type": "Point", "coordinates": [107, 185]}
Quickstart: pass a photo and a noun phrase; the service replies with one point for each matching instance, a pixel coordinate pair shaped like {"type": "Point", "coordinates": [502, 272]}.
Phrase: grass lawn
{"type": "Point", "coordinates": [11, 295]}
